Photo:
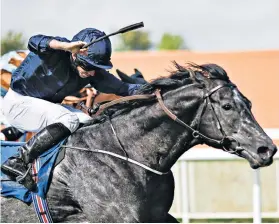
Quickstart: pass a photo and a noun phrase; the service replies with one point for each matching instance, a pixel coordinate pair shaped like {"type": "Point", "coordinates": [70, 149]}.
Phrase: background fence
{"type": "Point", "coordinates": [186, 176]}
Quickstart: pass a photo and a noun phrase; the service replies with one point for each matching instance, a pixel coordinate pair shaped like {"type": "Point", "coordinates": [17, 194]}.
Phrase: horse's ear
{"type": "Point", "coordinates": [136, 78]}
{"type": "Point", "coordinates": [124, 77]}
{"type": "Point", "coordinates": [138, 74]}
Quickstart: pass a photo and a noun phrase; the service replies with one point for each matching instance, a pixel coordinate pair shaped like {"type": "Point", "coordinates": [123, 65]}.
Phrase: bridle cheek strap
{"type": "Point", "coordinates": [195, 133]}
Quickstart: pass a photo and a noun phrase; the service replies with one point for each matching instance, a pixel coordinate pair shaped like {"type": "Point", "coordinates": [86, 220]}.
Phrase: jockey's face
{"type": "Point", "coordinates": [83, 73]}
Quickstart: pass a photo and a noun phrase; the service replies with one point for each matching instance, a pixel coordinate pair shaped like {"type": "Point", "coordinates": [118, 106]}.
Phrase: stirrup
{"type": "Point", "coordinates": [20, 179]}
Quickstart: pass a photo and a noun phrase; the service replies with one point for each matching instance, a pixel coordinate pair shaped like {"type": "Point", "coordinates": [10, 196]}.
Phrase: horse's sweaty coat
{"type": "Point", "coordinates": [94, 187]}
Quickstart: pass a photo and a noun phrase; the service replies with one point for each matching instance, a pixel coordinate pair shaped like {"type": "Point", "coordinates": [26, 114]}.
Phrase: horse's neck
{"type": "Point", "coordinates": [150, 136]}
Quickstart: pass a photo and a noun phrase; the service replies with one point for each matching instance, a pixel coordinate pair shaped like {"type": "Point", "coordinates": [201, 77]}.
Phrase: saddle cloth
{"type": "Point", "coordinates": [46, 161]}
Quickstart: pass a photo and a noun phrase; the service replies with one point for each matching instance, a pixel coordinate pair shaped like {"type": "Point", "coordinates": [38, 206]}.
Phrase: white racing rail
{"type": "Point", "coordinates": [210, 154]}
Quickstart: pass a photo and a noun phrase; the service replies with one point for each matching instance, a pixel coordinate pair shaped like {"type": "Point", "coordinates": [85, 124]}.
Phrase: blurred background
{"type": "Point", "coordinates": [241, 35]}
{"type": "Point", "coordinates": [202, 25]}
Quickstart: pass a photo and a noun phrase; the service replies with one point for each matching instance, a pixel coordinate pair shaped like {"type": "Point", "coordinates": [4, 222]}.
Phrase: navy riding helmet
{"type": "Point", "coordinates": [99, 53]}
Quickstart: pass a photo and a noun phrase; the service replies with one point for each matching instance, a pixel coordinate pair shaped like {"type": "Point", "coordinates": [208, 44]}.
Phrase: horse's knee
{"type": "Point", "coordinates": [70, 120]}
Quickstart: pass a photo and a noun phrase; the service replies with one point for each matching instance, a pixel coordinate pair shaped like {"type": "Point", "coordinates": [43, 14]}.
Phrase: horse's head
{"type": "Point", "coordinates": [226, 120]}
{"type": "Point", "coordinates": [206, 108]}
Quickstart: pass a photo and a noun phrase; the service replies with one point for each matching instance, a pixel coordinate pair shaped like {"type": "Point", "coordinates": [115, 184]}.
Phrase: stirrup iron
{"type": "Point", "coordinates": [20, 179]}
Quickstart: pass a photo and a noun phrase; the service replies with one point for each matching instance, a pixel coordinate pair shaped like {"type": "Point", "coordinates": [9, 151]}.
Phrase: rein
{"type": "Point", "coordinates": [195, 133]}
{"type": "Point", "coordinates": [93, 112]}
{"type": "Point", "coordinates": [98, 109]}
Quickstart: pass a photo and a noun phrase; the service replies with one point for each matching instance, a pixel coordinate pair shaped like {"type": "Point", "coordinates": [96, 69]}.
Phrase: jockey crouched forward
{"type": "Point", "coordinates": [54, 69]}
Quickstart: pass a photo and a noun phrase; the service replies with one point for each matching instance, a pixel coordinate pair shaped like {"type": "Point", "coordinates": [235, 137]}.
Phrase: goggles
{"type": "Point", "coordinates": [85, 66]}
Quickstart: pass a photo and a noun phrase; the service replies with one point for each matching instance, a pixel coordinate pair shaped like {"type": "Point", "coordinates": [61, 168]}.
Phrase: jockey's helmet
{"type": "Point", "coordinates": [99, 53]}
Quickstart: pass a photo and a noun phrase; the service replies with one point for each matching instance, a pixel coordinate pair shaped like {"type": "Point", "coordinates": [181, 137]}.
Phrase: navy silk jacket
{"type": "Point", "coordinates": [50, 75]}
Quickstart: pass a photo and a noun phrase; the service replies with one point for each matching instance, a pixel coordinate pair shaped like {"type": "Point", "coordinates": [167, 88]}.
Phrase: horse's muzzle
{"type": "Point", "coordinates": [263, 156]}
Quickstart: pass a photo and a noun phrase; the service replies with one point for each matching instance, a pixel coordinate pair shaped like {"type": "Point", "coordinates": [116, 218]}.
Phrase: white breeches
{"type": "Point", "coordinates": [31, 114]}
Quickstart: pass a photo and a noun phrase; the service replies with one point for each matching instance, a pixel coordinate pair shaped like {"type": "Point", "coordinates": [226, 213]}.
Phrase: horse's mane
{"type": "Point", "coordinates": [179, 77]}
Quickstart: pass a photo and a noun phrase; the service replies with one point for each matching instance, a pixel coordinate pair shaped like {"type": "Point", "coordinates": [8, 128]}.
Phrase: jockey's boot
{"type": "Point", "coordinates": [18, 167]}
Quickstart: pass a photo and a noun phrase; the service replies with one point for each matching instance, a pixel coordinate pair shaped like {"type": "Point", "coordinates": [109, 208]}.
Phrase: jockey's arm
{"type": "Point", "coordinates": [105, 82]}
{"type": "Point", "coordinates": [41, 44]}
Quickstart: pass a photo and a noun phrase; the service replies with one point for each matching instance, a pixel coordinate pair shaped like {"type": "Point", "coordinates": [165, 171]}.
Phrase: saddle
{"type": "Point", "coordinates": [42, 169]}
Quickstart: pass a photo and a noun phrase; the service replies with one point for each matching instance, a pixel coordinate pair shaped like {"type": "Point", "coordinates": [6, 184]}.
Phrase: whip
{"type": "Point", "coordinates": [122, 30]}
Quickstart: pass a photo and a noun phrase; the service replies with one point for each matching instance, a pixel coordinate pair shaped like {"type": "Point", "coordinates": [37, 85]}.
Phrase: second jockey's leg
{"type": "Point", "coordinates": [53, 122]}
{"type": "Point", "coordinates": [11, 134]}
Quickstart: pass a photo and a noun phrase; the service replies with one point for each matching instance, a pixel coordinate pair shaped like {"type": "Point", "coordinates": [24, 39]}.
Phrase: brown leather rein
{"type": "Point", "coordinates": [93, 112]}
{"type": "Point", "coordinates": [195, 132]}
{"type": "Point", "coordinates": [98, 109]}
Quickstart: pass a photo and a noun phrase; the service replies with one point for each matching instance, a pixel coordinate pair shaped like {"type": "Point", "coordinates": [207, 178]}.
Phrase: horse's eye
{"type": "Point", "coordinates": [227, 106]}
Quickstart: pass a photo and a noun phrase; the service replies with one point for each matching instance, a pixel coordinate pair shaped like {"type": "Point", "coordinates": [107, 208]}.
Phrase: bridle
{"type": "Point", "coordinates": [98, 109]}
{"type": "Point", "coordinates": [195, 132]}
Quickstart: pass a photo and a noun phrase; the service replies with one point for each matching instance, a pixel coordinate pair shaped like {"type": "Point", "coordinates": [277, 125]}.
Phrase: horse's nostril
{"type": "Point", "coordinates": [262, 150]}
{"type": "Point", "coordinates": [265, 152]}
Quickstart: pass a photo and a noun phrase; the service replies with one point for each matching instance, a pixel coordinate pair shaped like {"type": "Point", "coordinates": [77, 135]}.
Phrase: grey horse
{"type": "Point", "coordinates": [199, 105]}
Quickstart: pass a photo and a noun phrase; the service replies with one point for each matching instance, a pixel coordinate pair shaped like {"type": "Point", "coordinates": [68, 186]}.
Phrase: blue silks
{"type": "Point", "coordinates": [10, 188]}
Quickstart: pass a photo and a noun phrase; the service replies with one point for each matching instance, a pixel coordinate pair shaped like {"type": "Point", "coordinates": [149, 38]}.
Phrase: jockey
{"type": "Point", "coordinates": [54, 69]}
